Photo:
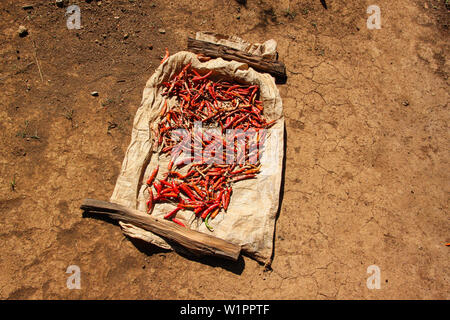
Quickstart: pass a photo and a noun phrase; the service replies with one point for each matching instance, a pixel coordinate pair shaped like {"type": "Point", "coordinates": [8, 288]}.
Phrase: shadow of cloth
{"type": "Point", "coordinates": [268, 266]}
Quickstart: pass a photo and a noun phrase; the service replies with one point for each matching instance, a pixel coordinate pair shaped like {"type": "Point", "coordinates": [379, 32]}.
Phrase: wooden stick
{"type": "Point", "coordinates": [37, 61]}
{"type": "Point", "coordinates": [195, 241]}
{"type": "Point", "coordinates": [275, 68]}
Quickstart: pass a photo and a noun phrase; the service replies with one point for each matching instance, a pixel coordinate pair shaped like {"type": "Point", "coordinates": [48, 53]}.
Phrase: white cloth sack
{"type": "Point", "coordinates": [250, 218]}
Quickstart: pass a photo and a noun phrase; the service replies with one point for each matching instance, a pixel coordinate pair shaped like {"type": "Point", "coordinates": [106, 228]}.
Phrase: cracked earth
{"type": "Point", "coordinates": [366, 173]}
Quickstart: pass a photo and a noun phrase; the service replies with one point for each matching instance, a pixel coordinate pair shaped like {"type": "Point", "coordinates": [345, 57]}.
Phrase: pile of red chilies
{"type": "Point", "coordinates": [206, 188]}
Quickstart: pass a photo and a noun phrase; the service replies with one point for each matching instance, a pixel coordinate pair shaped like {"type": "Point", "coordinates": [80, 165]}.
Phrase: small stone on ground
{"type": "Point", "coordinates": [23, 31]}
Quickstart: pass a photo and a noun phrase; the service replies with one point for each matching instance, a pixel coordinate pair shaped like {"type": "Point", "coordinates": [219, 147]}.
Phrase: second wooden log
{"type": "Point", "coordinates": [273, 67]}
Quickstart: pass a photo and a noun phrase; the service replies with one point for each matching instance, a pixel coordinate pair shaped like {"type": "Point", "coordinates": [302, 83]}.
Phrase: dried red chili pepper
{"type": "Point", "coordinates": [150, 202]}
{"type": "Point", "coordinates": [207, 211]}
{"type": "Point", "coordinates": [178, 222]}
{"type": "Point", "coordinates": [166, 56]}
{"type": "Point", "coordinates": [152, 176]}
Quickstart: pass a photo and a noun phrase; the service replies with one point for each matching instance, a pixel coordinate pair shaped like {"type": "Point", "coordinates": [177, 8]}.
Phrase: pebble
{"type": "Point", "coordinates": [61, 3]}
{"type": "Point", "coordinates": [126, 35]}
{"type": "Point", "coordinates": [27, 7]}
{"type": "Point", "coordinates": [94, 93]}
{"type": "Point", "coordinates": [23, 31]}
{"type": "Point", "coordinates": [162, 31]}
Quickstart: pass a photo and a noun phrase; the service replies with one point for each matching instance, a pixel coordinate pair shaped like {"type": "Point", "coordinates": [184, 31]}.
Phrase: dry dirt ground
{"type": "Point", "coordinates": [366, 174]}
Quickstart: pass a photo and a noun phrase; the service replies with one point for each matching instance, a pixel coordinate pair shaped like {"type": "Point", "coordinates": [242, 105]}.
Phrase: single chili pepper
{"type": "Point", "coordinates": [207, 211]}
{"type": "Point", "coordinates": [211, 92]}
{"type": "Point", "coordinates": [215, 213]}
{"type": "Point", "coordinates": [255, 123]}
{"type": "Point", "coordinates": [169, 167]}
{"type": "Point", "coordinates": [169, 195]}
{"type": "Point", "coordinates": [158, 188]}
{"type": "Point", "coordinates": [188, 192]}
{"type": "Point", "coordinates": [166, 183]}
{"type": "Point", "coordinates": [227, 202]}
{"type": "Point", "coordinates": [250, 171]}
{"type": "Point", "coordinates": [167, 190]}
{"type": "Point", "coordinates": [188, 174]}
{"type": "Point", "coordinates": [245, 177]}
{"type": "Point", "coordinates": [240, 120]}
{"type": "Point", "coordinates": [269, 124]}
{"type": "Point", "coordinates": [202, 77]}
{"type": "Point", "coordinates": [233, 87]}
{"type": "Point", "coordinates": [198, 191]}
{"type": "Point", "coordinates": [218, 182]}
{"type": "Point", "coordinates": [172, 213]}
{"type": "Point", "coordinates": [176, 173]}
{"type": "Point", "coordinates": [218, 198]}
{"type": "Point", "coordinates": [175, 187]}
{"type": "Point", "coordinates": [187, 88]}
{"type": "Point", "coordinates": [150, 202]}
{"type": "Point", "coordinates": [189, 206]}
{"type": "Point", "coordinates": [152, 176]}
{"type": "Point", "coordinates": [239, 170]}
{"type": "Point", "coordinates": [178, 222]}
{"type": "Point", "coordinates": [196, 73]}
{"type": "Point", "coordinates": [198, 210]}
{"type": "Point", "coordinates": [166, 149]}
{"type": "Point", "coordinates": [224, 199]}
{"type": "Point", "coordinates": [184, 70]}
{"type": "Point", "coordinates": [166, 56]}
{"type": "Point", "coordinates": [207, 224]}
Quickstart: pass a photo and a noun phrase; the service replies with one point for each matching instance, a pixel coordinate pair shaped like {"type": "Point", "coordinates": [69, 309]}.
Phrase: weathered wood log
{"type": "Point", "coordinates": [273, 67]}
{"type": "Point", "coordinates": [197, 242]}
